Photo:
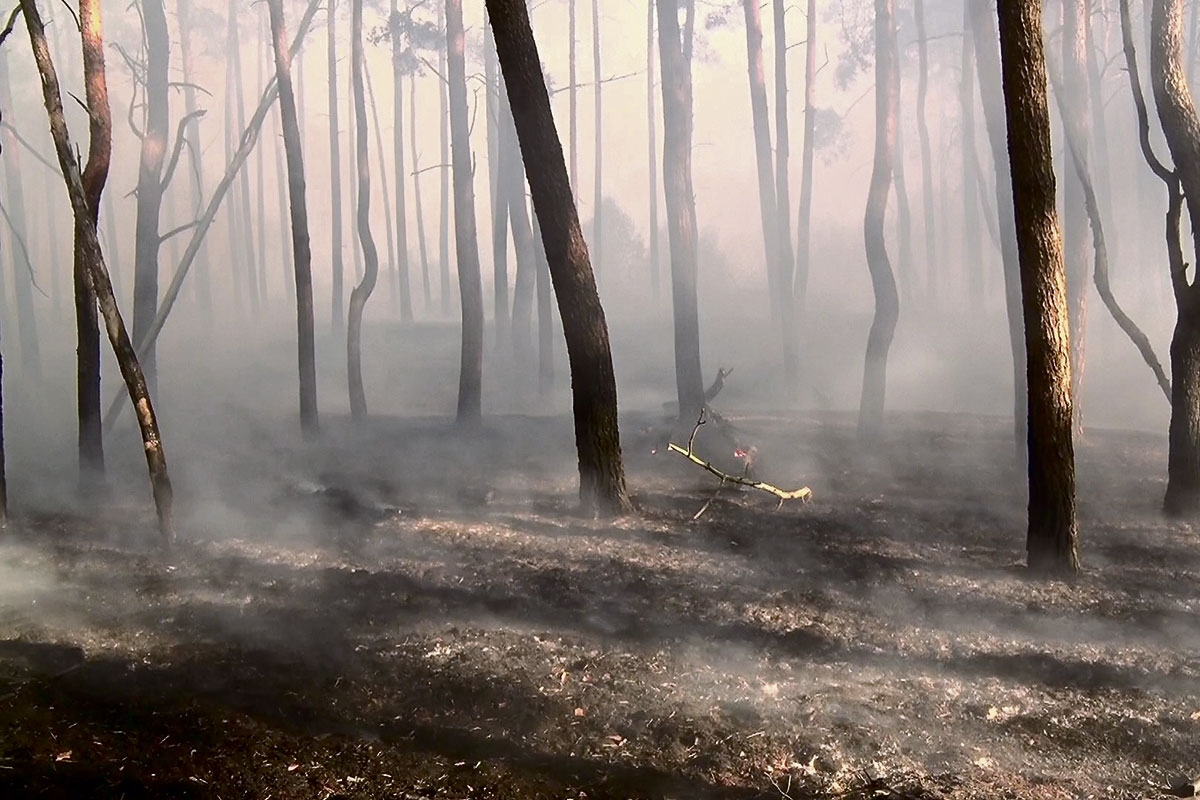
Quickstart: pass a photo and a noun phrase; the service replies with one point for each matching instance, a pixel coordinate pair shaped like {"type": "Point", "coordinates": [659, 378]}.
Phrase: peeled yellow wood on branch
{"type": "Point", "coordinates": [803, 494]}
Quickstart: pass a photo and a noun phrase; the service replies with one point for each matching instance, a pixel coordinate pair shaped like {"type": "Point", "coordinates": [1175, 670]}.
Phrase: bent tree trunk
{"type": "Point", "coordinates": [681, 208]}
{"type": "Point", "coordinates": [593, 385]}
{"type": "Point", "coordinates": [887, 302]}
{"type": "Point", "coordinates": [95, 175]}
{"type": "Point", "coordinates": [1181, 128]}
{"type": "Point", "coordinates": [985, 39]}
{"type": "Point", "coordinates": [470, 378]}
{"type": "Point", "coordinates": [306, 345]}
{"type": "Point", "coordinates": [100, 284]}
{"type": "Point", "coordinates": [358, 297]}
{"type": "Point", "coordinates": [1052, 541]}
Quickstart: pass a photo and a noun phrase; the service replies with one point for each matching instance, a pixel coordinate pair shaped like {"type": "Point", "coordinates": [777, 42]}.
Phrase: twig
{"type": "Point", "coordinates": [24, 250]}
{"type": "Point", "coordinates": [180, 137]}
{"type": "Point", "coordinates": [12, 21]}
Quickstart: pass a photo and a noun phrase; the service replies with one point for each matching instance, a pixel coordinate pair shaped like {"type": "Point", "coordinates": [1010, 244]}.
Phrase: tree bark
{"type": "Point", "coordinates": [931, 264]}
{"type": "Point", "coordinates": [883, 282]}
{"type": "Point", "coordinates": [1052, 540]}
{"type": "Point", "coordinates": [804, 219]}
{"type": "Point", "coordinates": [358, 297]}
{"type": "Point", "coordinates": [681, 208]}
{"type": "Point", "coordinates": [149, 185]}
{"type": "Point", "coordinates": [652, 138]}
{"type": "Point", "coordinates": [1181, 128]}
{"type": "Point", "coordinates": [402, 265]}
{"type": "Point", "coordinates": [95, 175]}
{"type": "Point", "coordinates": [335, 175]}
{"type": "Point", "coordinates": [972, 260]}
{"type": "Point", "coordinates": [1075, 225]}
{"type": "Point", "coordinates": [985, 39]}
{"type": "Point", "coordinates": [444, 170]}
{"type": "Point", "coordinates": [412, 123]}
{"type": "Point", "coordinates": [594, 388]}
{"type": "Point", "coordinates": [305, 337]}
{"type": "Point", "coordinates": [100, 284]}
{"type": "Point", "coordinates": [470, 380]}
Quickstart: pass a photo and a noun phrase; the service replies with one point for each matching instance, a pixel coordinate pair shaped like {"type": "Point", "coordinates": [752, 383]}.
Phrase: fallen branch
{"type": "Point", "coordinates": [804, 494]}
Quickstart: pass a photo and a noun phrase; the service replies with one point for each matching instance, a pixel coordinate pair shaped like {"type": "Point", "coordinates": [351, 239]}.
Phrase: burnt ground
{"type": "Point", "coordinates": [345, 620]}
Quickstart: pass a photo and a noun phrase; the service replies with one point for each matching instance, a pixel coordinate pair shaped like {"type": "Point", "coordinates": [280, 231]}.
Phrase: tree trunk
{"type": "Point", "coordinates": [358, 297]}
{"type": "Point", "coordinates": [402, 266]}
{"type": "Point", "coordinates": [972, 256]}
{"type": "Point", "coordinates": [183, 12]}
{"type": "Point", "coordinates": [787, 260]}
{"type": "Point", "coordinates": [1181, 127]}
{"type": "Point", "coordinates": [594, 388]}
{"type": "Point", "coordinates": [335, 175]}
{"type": "Point", "coordinates": [254, 264]}
{"type": "Point", "coordinates": [931, 265]}
{"type": "Point", "coordinates": [907, 274]}
{"type": "Point", "coordinates": [470, 380]}
{"type": "Point", "coordinates": [804, 219]}
{"type": "Point", "coordinates": [15, 195]}
{"type": "Point", "coordinates": [1052, 541]}
{"type": "Point", "coordinates": [100, 285]}
{"type": "Point", "coordinates": [1075, 230]}
{"type": "Point", "coordinates": [305, 337]}
{"type": "Point", "coordinates": [383, 182]}
{"type": "Point", "coordinates": [412, 122]}
{"type": "Point", "coordinates": [260, 166]}
{"type": "Point", "coordinates": [526, 246]}
{"type": "Point", "coordinates": [545, 306]}
{"type": "Point", "coordinates": [498, 171]}
{"type": "Point", "coordinates": [681, 208]}
{"type": "Point", "coordinates": [598, 126]}
{"type": "Point", "coordinates": [149, 185]}
{"type": "Point", "coordinates": [655, 266]}
{"type": "Point", "coordinates": [1095, 47]}
{"type": "Point", "coordinates": [444, 170]}
{"type": "Point", "coordinates": [887, 302]}
{"type": "Point", "coordinates": [985, 39]}
{"type": "Point", "coordinates": [237, 217]}
{"type": "Point", "coordinates": [95, 175]}
{"type": "Point", "coordinates": [287, 253]}
{"type": "Point", "coordinates": [760, 117]}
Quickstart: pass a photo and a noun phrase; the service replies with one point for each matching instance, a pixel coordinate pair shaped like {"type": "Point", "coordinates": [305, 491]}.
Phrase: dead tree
{"type": "Point", "coordinates": [883, 281]}
{"type": "Point", "coordinates": [305, 337]}
{"type": "Point", "coordinates": [470, 380]}
{"type": "Point", "coordinates": [358, 297]}
{"type": "Point", "coordinates": [1052, 540]}
{"type": "Point", "coordinates": [101, 285]}
{"type": "Point", "coordinates": [594, 388]}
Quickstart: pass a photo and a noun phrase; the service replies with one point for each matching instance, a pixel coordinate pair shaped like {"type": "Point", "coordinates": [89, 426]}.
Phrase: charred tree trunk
{"type": "Point", "coordinates": [887, 301]}
{"type": "Point", "coordinates": [1052, 541]}
{"type": "Point", "coordinates": [335, 175]}
{"type": "Point", "coordinates": [499, 167]}
{"type": "Point", "coordinates": [100, 284]}
{"type": "Point", "coordinates": [149, 185]}
{"type": "Point", "coordinates": [991, 89]}
{"type": "Point", "coordinates": [594, 388]}
{"type": "Point", "coordinates": [358, 297]}
{"type": "Point", "coordinates": [545, 312]}
{"type": "Point", "coordinates": [681, 207]}
{"type": "Point", "coordinates": [412, 123]}
{"type": "Point", "coordinates": [305, 337]}
{"type": "Point", "coordinates": [1181, 127]}
{"type": "Point", "coordinates": [655, 265]}
{"type": "Point", "coordinates": [402, 266]}
{"type": "Point", "coordinates": [523, 241]}
{"type": "Point", "coordinates": [470, 380]}
{"type": "Point", "coordinates": [1075, 226]}
{"type": "Point", "coordinates": [804, 219]}
{"type": "Point", "coordinates": [931, 265]}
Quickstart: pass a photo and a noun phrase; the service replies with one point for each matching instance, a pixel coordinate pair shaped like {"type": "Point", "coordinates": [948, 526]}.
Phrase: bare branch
{"type": "Point", "coordinates": [180, 136]}
{"type": "Point", "coordinates": [12, 21]}
{"type": "Point", "coordinates": [32, 150]}
{"type": "Point", "coordinates": [24, 250]}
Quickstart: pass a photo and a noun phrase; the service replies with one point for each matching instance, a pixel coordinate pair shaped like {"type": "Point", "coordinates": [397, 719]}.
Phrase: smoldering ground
{"type": "Point", "coordinates": [403, 607]}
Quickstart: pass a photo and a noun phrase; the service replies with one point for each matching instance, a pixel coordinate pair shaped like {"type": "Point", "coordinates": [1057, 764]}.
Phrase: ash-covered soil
{"type": "Point", "coordinates": [346, 619]}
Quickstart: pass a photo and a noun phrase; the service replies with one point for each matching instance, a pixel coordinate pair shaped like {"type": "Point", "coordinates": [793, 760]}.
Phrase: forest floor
{"type": "Point", "coordinates": [340, 619]}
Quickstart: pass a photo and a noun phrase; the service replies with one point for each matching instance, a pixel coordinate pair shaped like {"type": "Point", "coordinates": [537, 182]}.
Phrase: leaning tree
{"type": "Point", "coordinates": [593, 385]}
